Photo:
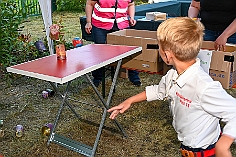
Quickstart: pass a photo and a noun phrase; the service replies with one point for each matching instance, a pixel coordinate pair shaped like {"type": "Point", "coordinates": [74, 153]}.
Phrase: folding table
{"type": "Point", "coordinates": [80, 61]}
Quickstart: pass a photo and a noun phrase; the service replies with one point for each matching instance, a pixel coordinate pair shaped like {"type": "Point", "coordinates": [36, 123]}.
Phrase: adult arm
{"type": "Point", "coordinates": [131, 12]}
{"type": "Point", "coordinates": [89, 10]}
{"type": "Point", "coordinates": [222, 39]}
{"type": "Point", "coordinates": [194, 9]}
{"type": "Point", "coordinates": [121, 108]}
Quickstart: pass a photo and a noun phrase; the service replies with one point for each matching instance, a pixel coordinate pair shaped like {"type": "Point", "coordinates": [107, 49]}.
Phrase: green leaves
{"type": "Point", "coordinates": [15, 48]}
{"type": "Point", "coordinates": [9, 22]}
{"type": "Point", "coordinates": [71, 5]}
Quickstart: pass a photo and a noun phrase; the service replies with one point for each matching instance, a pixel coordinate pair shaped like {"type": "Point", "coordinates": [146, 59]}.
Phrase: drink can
{"type": "Point", "coordinates": [46, 129]}
{"type": "Point", "coordinates": [50, 92]}
{"type": "Point", "coordinates": [40, 46]}
{"type": "Point", "coordinates": [19, 131]}
{"type": "Point", "coordinates": [1, 122]}
{"type": "Point", "coordinates": [77, 42]}
{"type": "Point", "coordinates": [45, 94]}
{"type": "Point", "coordinates": [1, 133]}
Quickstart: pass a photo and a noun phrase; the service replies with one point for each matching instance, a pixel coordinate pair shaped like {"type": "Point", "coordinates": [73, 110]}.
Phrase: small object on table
{"type": "Point", "coordinates": [155, 16]}
{"type": "Point", "coordinates": [61, 52]}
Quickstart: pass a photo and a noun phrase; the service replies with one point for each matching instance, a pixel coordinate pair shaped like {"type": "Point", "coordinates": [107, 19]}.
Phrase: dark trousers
{"type": "Point", "coordinates": [100, 37]}
{"type": "Point", "coordinates": [213, 35]}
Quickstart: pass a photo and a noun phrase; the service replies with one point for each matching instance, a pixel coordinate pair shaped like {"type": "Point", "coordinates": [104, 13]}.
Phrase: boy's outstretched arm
{"type": "Point", "coordinates": [223, 146]}
{"type": "Point", "coordinates": [121, 108]}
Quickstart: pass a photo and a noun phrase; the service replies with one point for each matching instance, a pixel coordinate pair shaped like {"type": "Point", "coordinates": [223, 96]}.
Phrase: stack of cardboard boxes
{"type": "Point", "coordinates": [222, 65]}
{"type": "Point", "coordinates": [149, 60]}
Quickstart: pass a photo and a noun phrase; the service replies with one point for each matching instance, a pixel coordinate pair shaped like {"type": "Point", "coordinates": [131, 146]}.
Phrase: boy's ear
{"type": "Point", "coordinates": [168, 55]}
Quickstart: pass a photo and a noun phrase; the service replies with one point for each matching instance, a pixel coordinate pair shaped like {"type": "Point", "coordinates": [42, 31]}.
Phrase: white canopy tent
{"type": "Point", "coordinates": [46, 10]}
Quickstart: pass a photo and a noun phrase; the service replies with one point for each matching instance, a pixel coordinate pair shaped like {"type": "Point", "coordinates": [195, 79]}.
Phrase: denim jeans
{"type": "Point", "coordinates": [100, 37]}
{"type": "Point", "coordinates": [213, 35]}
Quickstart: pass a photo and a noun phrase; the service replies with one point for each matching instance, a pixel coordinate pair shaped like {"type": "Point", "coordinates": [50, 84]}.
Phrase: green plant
{"type": "Point", "coordinates": [71, 5]}
{"type": "Point", "coordinates": [9, 22]}
{"type": "Point", "coordinates": [15, 48]}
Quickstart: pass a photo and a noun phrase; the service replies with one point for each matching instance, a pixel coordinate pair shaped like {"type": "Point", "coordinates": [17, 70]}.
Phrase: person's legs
{"type": "Point", "coordinates": [210, 35]}
{"type": "Point", "coordinates": [99, 36]}
{"type": "Point", "coordinates": [232, 39]}
{"type": "Point", "coordinates": [213, 35]}
{"type": "Point", "coordinates": [134, 77]}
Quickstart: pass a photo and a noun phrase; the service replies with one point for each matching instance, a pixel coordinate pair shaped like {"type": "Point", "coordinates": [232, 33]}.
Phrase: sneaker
{"type": "Point", "coordinates": [137, 83]}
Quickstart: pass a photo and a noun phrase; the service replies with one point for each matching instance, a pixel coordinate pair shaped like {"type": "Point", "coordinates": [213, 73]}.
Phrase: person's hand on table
{"type": "Point", "coordinates": [88, 27]}
{"type": "Point", "coordinates": [121, 108]}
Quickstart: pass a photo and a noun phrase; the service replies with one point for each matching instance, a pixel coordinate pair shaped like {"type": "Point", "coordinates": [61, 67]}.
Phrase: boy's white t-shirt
{"type": "Point", "coordinates": [196, 103]}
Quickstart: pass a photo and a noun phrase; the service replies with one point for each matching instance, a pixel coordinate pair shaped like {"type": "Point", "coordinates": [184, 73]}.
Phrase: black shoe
{"type": "Point", "coordinates": [137, 83]}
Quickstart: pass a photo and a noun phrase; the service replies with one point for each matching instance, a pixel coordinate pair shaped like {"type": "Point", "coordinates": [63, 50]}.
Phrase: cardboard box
{"type": "Point", "coordinates": [123, 73]}
{"type": "Point", "coordinates": [149, 59]}
{"type": "Point", "coordinates": [156, 16]}
{"type": "Point", "coordinates": [222, 64]}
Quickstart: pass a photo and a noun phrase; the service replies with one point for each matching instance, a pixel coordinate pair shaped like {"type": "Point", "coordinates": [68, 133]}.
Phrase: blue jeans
{"type": "Point", "coordinates": [100, 37]}
{"type": "Point", "coordinates": [213, 35]}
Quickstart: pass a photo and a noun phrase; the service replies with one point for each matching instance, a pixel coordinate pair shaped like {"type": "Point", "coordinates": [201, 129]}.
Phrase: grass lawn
{"type": "Point", "coordinates": [148, 124]}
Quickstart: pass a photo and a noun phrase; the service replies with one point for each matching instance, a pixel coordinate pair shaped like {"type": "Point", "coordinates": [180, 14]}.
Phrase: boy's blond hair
{"type": "Point", "coordinates": [182, 36]}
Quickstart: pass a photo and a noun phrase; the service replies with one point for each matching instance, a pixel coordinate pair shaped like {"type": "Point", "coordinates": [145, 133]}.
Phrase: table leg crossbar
{"type": "Point", "coordinates": [75, 145]}
{"type": "Point", "coordinates": [71, 144]}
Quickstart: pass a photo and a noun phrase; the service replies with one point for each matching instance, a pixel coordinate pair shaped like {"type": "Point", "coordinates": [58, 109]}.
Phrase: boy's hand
{"type": "Point", "coordinates": [222, 147]}
{"type": "Point", "coordinates": [126, 104]}
{"type": "Point", "coordinates": [119, 109]}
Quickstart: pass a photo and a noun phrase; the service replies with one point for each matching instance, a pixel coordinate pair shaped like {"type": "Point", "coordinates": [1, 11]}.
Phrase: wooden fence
{"type": "Point", "coordinates": [31, 7]}
{"type": "Point", "coordinates": [28, 7]}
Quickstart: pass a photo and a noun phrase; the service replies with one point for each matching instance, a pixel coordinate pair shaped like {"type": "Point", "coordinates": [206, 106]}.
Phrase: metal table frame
{"type": "Point", "coordinates": [74, 145]}
{"type": "Point", "coordinates": [25, 69]}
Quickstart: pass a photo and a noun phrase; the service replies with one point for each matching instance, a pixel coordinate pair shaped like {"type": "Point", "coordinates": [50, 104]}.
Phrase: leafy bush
{"type": "Point", "coordinates": [9, 22]}
{"type": "Point", "coordinates": [71, 5]}
{"type": "Point", "coordinates": [15, 48]}
{"type": "Point", "coordinates": [79, 5]}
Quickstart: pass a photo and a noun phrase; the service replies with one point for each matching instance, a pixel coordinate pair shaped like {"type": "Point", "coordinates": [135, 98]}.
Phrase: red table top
{"type": "Point", "coordinates": [79, 61]}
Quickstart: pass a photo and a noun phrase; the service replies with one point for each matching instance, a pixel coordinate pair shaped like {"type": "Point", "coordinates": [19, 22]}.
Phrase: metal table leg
{"type": "Point", "coordinates": [75, 145]}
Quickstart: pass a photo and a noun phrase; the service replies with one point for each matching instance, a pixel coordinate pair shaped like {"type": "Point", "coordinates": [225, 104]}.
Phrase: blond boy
{"type": "Point", "coordinates": [197, 102]}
